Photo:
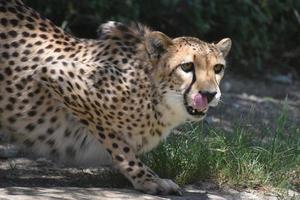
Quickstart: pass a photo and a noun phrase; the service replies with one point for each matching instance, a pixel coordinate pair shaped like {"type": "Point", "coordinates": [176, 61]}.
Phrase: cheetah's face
{"type": "Point", "coordinates": [193, 70]}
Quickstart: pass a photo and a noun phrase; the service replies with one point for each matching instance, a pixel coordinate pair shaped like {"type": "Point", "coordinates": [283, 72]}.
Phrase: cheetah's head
{"type": "Point", "coordinates": [189, 71]}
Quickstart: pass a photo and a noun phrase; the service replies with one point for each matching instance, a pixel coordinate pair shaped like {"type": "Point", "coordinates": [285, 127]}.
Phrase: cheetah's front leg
{"type": "Point", "coordinates": [141, 176]}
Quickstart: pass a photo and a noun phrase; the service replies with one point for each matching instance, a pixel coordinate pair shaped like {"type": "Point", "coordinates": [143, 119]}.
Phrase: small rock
{"type": "Point", "coordinates": [88, 171]}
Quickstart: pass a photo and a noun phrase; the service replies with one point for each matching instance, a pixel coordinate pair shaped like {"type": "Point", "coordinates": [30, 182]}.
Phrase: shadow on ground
{"type": "Point", "coordinates": [89, 193]}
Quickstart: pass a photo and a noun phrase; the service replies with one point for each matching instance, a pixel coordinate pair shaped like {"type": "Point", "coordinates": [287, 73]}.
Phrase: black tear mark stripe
{"type": "Point", "coordinates": [189, 88]}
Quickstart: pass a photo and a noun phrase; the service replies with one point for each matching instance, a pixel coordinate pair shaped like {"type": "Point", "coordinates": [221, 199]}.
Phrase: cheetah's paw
{"type": "Point", "coordinates": [159, 186]}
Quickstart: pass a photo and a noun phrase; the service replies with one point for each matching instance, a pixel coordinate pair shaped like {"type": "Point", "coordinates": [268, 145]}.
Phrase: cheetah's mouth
{"type": "Point", "coordinates": [196, 108]}
{"type": "Point", "coordinates": [194, 112]}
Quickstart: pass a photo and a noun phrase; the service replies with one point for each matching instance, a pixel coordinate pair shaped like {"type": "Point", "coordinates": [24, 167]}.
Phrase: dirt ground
{"type": "Point", "coordinates": [257, 102]}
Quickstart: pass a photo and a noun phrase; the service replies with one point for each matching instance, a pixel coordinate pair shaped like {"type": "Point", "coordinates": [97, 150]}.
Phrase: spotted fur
{"type": "Point", "coordinates": [101, 101]}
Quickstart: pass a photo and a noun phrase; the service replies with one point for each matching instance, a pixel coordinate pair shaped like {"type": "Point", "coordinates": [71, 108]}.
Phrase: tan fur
{"type": "Point", "coordinates": [100, 101]}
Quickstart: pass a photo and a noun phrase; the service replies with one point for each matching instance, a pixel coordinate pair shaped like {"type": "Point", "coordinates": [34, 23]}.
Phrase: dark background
{"type": "Point", "coordinates": [265, 33]}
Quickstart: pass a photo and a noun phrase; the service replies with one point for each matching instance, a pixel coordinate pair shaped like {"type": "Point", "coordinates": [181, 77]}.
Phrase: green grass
{"type": "Point", "coordinates": [239, 158]}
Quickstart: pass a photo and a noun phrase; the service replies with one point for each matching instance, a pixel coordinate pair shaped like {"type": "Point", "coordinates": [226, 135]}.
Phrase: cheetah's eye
{"type": "Point", "coordinates": [187, 67]}
{"type": "Point", "coordinates": [218, 68]}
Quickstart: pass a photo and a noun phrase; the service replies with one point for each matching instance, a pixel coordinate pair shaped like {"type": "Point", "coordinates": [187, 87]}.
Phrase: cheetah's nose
{"type": "Point", "coordinates": [209, 95]}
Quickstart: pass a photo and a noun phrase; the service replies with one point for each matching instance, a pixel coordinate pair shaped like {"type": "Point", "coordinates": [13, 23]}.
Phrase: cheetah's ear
{"type": "Point", "coordinates": [156, 44]}
{"type": "Point", "coordinates": [224, 45]}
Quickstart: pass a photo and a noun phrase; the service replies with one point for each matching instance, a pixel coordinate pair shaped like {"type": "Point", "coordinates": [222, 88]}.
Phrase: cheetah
{"type": "Point", "coordinates": [104, 100]}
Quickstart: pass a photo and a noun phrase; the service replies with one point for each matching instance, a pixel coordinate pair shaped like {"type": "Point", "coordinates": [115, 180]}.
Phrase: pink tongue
{"type": "Point", "coordinates": [199, 102]}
